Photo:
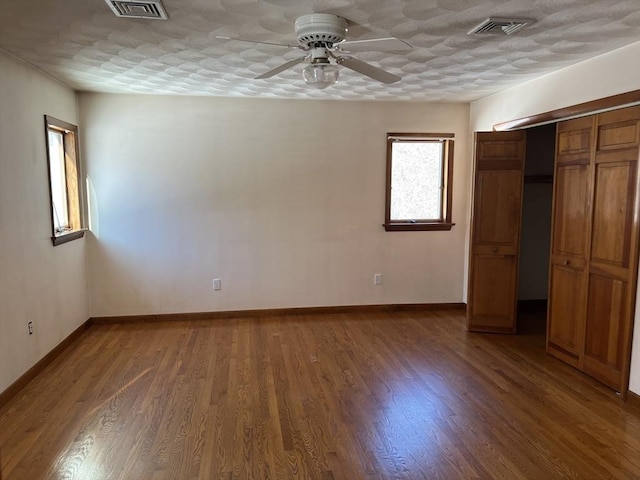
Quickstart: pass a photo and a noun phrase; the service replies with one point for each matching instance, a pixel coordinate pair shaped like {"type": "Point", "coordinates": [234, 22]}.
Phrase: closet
{"type": "Point", "coordinates": [594, 244]}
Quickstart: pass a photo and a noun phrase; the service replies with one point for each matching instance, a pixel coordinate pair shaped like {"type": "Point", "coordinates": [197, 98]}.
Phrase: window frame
{"type": "Point", "coordinates": [75, 195]}
{"type": "Point", "coordinates": [444, 223]}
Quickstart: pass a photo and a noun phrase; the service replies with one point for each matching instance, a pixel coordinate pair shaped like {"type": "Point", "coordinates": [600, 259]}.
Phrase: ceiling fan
{"type": "Point", "coordinates": [322, 37]}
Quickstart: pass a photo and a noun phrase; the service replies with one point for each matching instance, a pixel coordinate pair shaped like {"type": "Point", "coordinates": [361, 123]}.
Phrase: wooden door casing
{"type": "Point", "coordinates": [495, 234]}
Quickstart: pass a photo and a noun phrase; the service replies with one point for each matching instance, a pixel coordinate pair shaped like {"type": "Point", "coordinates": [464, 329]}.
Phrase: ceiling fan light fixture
{"type": "Point", "coordinates": [320, 75]}
{"type": "Point", "coordinates": [322, 36]}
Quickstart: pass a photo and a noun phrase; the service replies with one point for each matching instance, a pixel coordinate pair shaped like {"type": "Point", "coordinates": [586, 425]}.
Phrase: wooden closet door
{"type": "Point", "coordinates": [495, 234]}
{"type": "Point", "coordinates": [614, 248]}
{"type": "Point", "coordinates": [570, 239]}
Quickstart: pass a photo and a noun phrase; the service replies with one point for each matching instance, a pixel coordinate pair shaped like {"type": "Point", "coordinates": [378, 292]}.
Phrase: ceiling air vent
{"type": "Point", "coordinates": [138, 9]}
{"type": "Point", "coordinates": [501, 26]}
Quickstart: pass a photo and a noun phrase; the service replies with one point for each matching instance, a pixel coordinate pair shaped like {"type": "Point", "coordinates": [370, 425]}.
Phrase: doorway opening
{"type": "Point", "coordinates": [535, 237]}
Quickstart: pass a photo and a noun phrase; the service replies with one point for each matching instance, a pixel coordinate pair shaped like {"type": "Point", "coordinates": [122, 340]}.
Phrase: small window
{"type": "Point", "coordinates": [419, 175]}
{"type": "Point", "coordinates": [64, 180]}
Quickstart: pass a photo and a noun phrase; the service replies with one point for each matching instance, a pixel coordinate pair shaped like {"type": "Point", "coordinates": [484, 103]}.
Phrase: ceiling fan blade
{"type": "Point", "coordinates": [254, 41]}
{"type": "Point", "coordinates": [390, 44]}
{"type": "Point", "coordinates": [281, 68]}
{"type": "Point", "coordinates": [368, 70]}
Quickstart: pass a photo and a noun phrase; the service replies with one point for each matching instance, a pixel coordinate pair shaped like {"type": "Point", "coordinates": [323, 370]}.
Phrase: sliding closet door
{"type": "Point", "coordinates": [570, 239]}
{"type": "Point", "coordinates": [495, 234]}
{"type": "Point", "coordinates": [614, 247]}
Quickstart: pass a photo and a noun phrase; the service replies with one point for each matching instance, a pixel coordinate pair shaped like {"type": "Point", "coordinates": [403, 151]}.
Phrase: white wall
{"type": "Point", "coordinates": [634, 380]}
{"type": "Point", "coordinates": [38, 282]}
{"type": "Point", "coordinates": [609, 74]}
{"type": "Point", "coordinates": [281, 199]}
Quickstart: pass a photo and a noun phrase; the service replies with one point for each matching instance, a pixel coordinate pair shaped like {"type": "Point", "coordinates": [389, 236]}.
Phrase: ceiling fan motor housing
{"type": "Point", "coordinates": [320, 30]}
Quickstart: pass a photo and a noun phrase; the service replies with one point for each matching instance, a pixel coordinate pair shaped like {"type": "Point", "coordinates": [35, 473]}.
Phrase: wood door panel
{"type": "Point", "coordinates": [594, 259]}
{"type": "Point", "coordinates": [613, 213]}
{"type": "Point", "coordinates": [609, 270]}
{"type": "Point", "coordinates": [604, 373]}
{"type": "Point", "coordinates": [617, 131]}
{"type": "Point", "coordinates": [613, 259]}
{"type": "Point", "coordinates": [493, 299]}
{"type": "Point", "coordinates": [495, 231]}
{"type": "Point", "coordinates": [565, 297]}
{"type": "Point", "coordinates": [499, 198]}
{"type": "Point", "coordinates": [574, 141]}
{"type": "Point", "coordinates": [500, 150]}
{"type": "Point", "coordinates": [577, 141]}
{"type": "Point", "coordinates": [618, 136]}
{"type": "Point", "coordinates": [569, 239]}
{"type": "Point", "coordinates": [571, 210]}
{"type": "Point", "coordinates": [604, 340]}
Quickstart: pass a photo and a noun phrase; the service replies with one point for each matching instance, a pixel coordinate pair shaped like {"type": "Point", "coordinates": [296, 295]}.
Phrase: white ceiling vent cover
{"type": "Point", "coordinates": [502, 26]}
{"type": "Point", "coordinates": [138, 9]}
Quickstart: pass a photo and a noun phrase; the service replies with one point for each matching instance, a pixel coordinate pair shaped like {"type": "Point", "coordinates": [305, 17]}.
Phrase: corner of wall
{"type": "Point", "coordinates": [34, 275]}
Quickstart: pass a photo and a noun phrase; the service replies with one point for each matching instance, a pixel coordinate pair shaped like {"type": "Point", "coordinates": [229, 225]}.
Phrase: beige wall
{"type": "Point", "coordinates": [609, 74]}
{"type": "Point", "coordinates": [283, 200]}
{"type": "Point", "coordinates": [38, 282]}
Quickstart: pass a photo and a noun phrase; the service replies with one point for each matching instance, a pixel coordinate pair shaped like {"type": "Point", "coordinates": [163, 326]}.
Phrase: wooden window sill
{"type": "Point", "coordinates": [67, 237]}
{"type": "Point", "coordinates": [416, 227]}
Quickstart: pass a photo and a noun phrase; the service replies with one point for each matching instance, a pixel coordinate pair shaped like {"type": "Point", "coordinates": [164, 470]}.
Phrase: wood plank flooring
{"type": "Point", "coordinates": [406, 395]}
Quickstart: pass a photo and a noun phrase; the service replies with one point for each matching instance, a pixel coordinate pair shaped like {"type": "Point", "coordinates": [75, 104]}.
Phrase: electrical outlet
{"type": "Point", "coordinates": [217, 284]}
{"type": "Point", "coordinates": [377, 279]}
{"type": "Point", "coordinates": [30, 327]}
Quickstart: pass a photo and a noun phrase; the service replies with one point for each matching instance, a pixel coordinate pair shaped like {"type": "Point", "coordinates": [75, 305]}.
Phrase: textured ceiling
{"type": "Point", "coordinates": [83, 44]}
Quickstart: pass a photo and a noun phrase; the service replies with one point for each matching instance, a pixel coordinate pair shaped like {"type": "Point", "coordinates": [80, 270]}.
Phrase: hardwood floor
{"type": "Point", "coordinates": [406, 395]}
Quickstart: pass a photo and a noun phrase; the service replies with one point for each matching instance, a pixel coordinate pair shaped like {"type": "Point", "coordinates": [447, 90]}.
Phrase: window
{"type": "Point", "coordinates": [64, 180]}
{"type": "Point", "coordinates": [419, 174]}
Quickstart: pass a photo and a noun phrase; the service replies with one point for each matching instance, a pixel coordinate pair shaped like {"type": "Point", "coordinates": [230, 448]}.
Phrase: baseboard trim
{"type": "Point", "coordinates": [13, 389]}
{"type": "Point", "coordinates": [276, 312]}
{"type": "Point", "coordinates": [633, 399]}
{"type": "Point", "coordinates": [30, 374]}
